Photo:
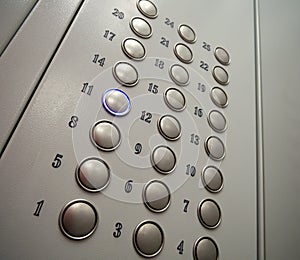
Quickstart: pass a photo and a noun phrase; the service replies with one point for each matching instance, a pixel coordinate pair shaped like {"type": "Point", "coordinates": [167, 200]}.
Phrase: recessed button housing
{"type": "Point", "coordinates": [147, 8]}
{"type": "Point", "coordinates": [78, 219]}
{"type": "Point", "coordinates": [125, 73]}
{"type": "Point", "coordinates": [105, 135]}
{"type": "Point", "coordinates": [148, 239]}
{"type": "Point", "coordinates": [141, 27]}
{"type": "Point", "coordinates": [187, 33]}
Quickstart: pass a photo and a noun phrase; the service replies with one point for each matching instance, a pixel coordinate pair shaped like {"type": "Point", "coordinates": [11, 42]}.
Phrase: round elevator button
{"type": "Point", "coordinates": [116, 102]}
{"type": "Point", "coordinates": [187, 33]}
{"type": "Point", "coordinates": [140, 27]}
{"type": "Point", "coordinates": [163, 159]}
{"type": "Point", "coordinates": [105, 135]}
{"type": "Point", "coordinates": [148, 239]}
{"type": "Point", "coordinates": [133, 49]}
{"type": "Point", "coordinates": [179, 75]}
{"type": "Point", "coordinates": [205, 249]}
{"type": "Point", "coordinates": [93, 174]}
{"type": "Point", "coordinates": [222, 56]}
{"type": "Point", "coordinates": [183, 53]}
{"type": "Point", "coordinates": [212, 179]}
{"type": "Point", "coordinates": [169, 127]}
{"type": "Point", "coordinates": [215, 148]}
{"type": "Point", "coordinates": [78, 219]}
{"type": "Point", "coordinates": [147, 8]}
{"type": "Point", "coordinates": [125, 73]}
{"type": "Point", "coordinates": [220, 75]}
{"type": "Point", "coordinates": [174, 99]}
{"type": "Point", "coordinates": [156, 196]}
{"type": "Point", "coordinates": [219, 97]}
{"type": "Point", "coordinates": [217, 121]}
{"type": "Point", "coordinates": [209, 214]}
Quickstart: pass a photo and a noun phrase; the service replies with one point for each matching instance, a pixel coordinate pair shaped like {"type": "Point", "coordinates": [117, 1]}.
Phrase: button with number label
{"type": "Point", "coordinates": [93, 174]}
{"type": "Point", "coordinates": [156, 196]}
{"type": "Point", "coordinates": [187, 33]}
{"type": "Point", "coordinates": [105, 135]}
{"type": "Point", "coordinates": [125, 73]}
{"type": "Point", "coordinates": [174, 99]}
{"type": "Point", "coordinates": [212, 179]}
{"type": "Point", "coordinates": [179, 75]}
{"type": "Point", "coordinates": [163, 159]}
{"type": "Point", "coordinates": [222, 56]}
{"type": "Point", "coordinates": [134, 49]}
{"type": "Point", "coordinates": [219, 97]}
{"type": "Point", "coordinates": [78, 219]}
{"type": "Point", "coordinates": [217, 121]}
{"type": "Point", "coordinates": [214, 148]}
{"type": "Point", "coordinates": [140, 27]}
{"type": "Point", "coordinates": [183, 53]}
{"type": "Point", "coordinates": [205, 248]}
{"type": "Point", "coordinates": [148, 239]}
{"type": "Point", "coordinates": [147, 8]}
{"type": "Point", "coordinates": [209, 213]}
{"type": "Point", "coordinates": [220, 75]}
{"type": "Point", "coordinates": [169, 127]}
{"type": "Point", "coordinates": [116, 102]}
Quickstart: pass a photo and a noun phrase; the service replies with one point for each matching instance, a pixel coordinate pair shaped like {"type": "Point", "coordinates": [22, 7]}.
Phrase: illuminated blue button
{"type": "Point", "coordinates": [116, 102]}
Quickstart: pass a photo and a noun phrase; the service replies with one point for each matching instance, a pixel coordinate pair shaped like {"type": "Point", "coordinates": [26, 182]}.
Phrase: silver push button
{"type": "Point", "coordinates": [205, 248]}
{"type": "Point", "coordinates": [174, 99]}
{"type": "Point", "coordinates": [219, 97]}
{"type": "Point", "coordinates": [217, 121]}
{"type": "Point", "coordinates": [140, 27]}
{"type": "Point", "coordinates": [169, 127]}
{"type": "Point", "coordinates": [116, 102]}
{"type": "Point", "coordinates": [147, 8]}
{"type": "Point", "coordinates": [125, 73]}
{"type": "Point", "coordinates": [163, 159]}
{"type": "Point", "coordinates": [134, 49]}
{"type": "Point", "coordinates": [179, 75]}
{"type": "Point", "coordinates": [148, 239]}
{"type": "Point", "coordinates": [183, 53]}
{"type": "Point", "coordinates": [78, 219]}
{"type": "Point", "coordinates": [220, 75]}
{"type": "Point", "coordinates": [187, 33]}
{"type": "Point", "coordinates": [93, 174]}
{"type": "Point", "coordinates": [209, 214]}
{"type": "Point", "coordinates": [105, 135]}
{"type": "Point", "coordinates": [212, 179]}
{"type": "Point", "coordinates": [222, 56]}
{"type": "Point", "coordinates": [156, 196]}
{"type": "Point", "coordinates": [215, 148]}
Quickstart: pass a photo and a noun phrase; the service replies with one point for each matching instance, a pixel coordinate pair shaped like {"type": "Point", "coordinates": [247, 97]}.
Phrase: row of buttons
{"type": "Point", "coordinates": [106, 136]}
{"type": "Point", "coordinates": [79, 219]}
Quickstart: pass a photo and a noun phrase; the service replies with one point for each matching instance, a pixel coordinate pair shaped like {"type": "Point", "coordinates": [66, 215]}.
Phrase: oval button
{"type": "Point", "coordinates": [134, 49]}
{"type": "Point", "coordinates": [147, 8]}
{"type": "Point", "coordinates": [169, 127]}
{"type": "Point", "coordinates": [163, 159]}
{"type": "Point", "coordinates": [116, 102]}
{"type": "Point", "coordinates": [174, 99]}
{"type": "Point", "coordinates": [105, 135]}
{"type": "Point", "coordinates": [148, 239]}
{"type": "Point", "coordinates": [93, 174]}
{"type": "Point", "coordinates": [125, 73]}
{"type": "Point", "coordinates": [183, 53]}
{"type": "Point", "coordinates": [78, 219]}
{"type": "Point", "coordinates": [141, 27]}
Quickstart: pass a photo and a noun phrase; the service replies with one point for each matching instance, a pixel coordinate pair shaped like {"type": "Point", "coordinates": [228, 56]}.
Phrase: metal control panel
{"type": "Point", "coordinates": [138, 140]}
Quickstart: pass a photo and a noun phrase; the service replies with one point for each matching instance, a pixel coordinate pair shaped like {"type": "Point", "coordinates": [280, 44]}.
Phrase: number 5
{"type": "Point", "coordinates": [57, 161]}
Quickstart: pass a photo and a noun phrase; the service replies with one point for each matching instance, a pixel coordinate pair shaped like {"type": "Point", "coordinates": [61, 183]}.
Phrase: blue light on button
{"type": "Point", "coordinates": [116, 102]}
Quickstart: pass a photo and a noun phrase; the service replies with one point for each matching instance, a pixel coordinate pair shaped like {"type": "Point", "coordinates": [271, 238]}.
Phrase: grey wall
{"type": "Point", "coordinates": [280, 37]}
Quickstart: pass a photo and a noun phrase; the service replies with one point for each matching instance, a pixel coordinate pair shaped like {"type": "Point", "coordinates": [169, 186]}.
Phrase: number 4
{"type": "Point", "coordinates": [180, 247]}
